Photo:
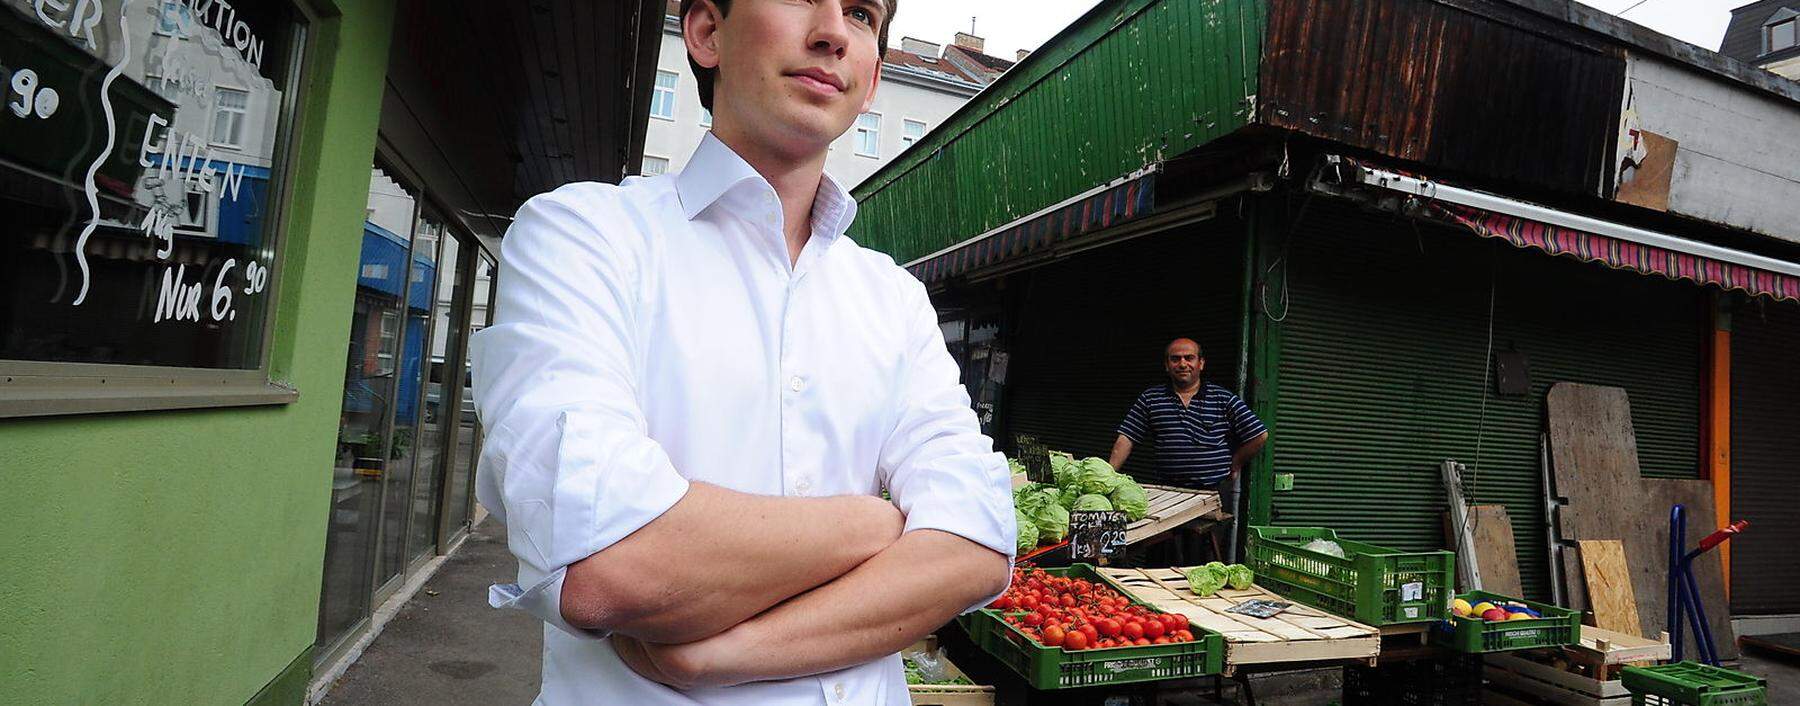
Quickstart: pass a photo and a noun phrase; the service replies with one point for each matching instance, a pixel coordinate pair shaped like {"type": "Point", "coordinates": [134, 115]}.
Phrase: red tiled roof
{"type": "Point", "coordinates": [898, 57]}
{"type": "Point", "coordinates": [992, 63]}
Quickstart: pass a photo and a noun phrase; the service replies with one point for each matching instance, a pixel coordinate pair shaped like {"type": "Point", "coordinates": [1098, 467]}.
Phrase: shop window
{"type": "Point", "coordinates": [662, 99]}
{"type": "Point", "coordinates": [140, 238]}
{"type": "Point", "coordinates": [868, 135]}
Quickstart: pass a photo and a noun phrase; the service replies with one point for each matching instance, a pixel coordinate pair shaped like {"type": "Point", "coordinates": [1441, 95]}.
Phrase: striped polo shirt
{"type": "Point", "coordinates": [1193, 443]}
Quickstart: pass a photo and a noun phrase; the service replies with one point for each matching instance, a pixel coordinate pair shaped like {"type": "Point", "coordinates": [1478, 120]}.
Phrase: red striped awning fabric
{"type": "Point", "coordinates": [1121, 203]}
{"type": "Point", "coordinates": [1619, 254]}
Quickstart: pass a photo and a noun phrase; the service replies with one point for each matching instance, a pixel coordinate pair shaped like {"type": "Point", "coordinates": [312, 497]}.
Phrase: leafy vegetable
{"type": "Point", "coordinates": [1129, 498]}
{"type": "Point", "coordinates": [1052, 522]}
{"type": "Point", "coordinates": [1017, 468]}
{"type": "Point", "coordinates": [1093, 475]}
{"type": "Point", "coordinates": [1062, 468]}
{"type": "Point", "coordinates": [1031, 496]}
{"type": "Point", "coordinates": [1239, 576]}
{"type": "Point", "coordinates": [1028, 532]}
{"type": "Point", "coordinates": [1091, 503]}
{"type": "Point", "coordinates": [1205, 580]}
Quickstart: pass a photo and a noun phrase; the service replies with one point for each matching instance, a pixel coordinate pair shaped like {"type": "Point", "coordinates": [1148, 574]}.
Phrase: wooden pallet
{"type": "Point", "coordinates": [1549, 685]}
{"type": "Point", "coordinates": [1170, 508]}
{"type": "Point", "coordinates": [1299, 634]}
{"type": "Point", "coordinates": [1604, 652]}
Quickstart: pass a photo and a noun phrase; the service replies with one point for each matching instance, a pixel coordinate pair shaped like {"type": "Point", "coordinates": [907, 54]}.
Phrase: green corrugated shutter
{"type": "Point", "coordinates": [1765, 458]}
{"type": "Point", "coordinates": [1090, 334]}
{"type": "Point", "coordinates": [1381, 371]}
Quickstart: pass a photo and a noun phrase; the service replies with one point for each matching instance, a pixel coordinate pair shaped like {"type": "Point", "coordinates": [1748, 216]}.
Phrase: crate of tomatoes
{"type": "Point", "coordinates": [1072, 627]}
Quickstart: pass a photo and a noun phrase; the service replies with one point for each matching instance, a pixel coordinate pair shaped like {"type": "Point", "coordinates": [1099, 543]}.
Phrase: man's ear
{"type": "Point", "coordinates": [874, 84]}
{"type": "Point", "coordinates": [699, 31]}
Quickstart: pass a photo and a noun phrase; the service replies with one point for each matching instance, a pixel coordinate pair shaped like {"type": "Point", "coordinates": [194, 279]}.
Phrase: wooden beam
{"type": "Point", "coordinates": [1718, 425]}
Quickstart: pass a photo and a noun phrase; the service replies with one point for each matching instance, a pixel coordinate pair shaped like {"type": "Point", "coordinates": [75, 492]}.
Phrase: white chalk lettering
{"type": "Point", "coordinates": [176, 300]}
{"type": "Point", "coordinates": [148, 146]}
{"type": "Point", "coordinates": [87, 15]}
{"type": "Point", "coordinates": [234, 178]}
{"type": "Point", "coordinates": [56, 5]}
{"type": "Point", "coordinates": [221, 298]}
{"type": "Point", "coordinates": [221, 17]}
{"type": "Point", "coordinates": [33, 99]}
{"type": "Point", "coordinates": [159, 223]}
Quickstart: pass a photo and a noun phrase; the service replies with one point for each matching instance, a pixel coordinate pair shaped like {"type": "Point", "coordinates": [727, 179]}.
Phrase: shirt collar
{"type": "Point", "coordinates": [715, 170]}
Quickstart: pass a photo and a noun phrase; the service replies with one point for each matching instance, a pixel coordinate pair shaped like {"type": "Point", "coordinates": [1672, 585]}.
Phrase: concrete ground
{"type": "Point", "coordinates": [446, 646]}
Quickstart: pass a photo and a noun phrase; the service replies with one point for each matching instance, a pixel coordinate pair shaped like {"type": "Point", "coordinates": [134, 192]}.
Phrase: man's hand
{"type": "Point", "coordinates": [686, 666]}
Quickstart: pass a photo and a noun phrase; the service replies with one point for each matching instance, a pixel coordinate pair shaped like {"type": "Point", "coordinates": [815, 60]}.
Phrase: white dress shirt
{"type": "Point", "coordinates": [654, 333]}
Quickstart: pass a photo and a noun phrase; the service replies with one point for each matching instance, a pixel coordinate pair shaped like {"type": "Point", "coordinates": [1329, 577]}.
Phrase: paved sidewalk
{"type": "Point", "coordinates": [451, 648]}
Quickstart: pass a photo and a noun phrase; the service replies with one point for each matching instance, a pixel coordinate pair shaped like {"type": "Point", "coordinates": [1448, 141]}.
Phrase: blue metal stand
{"type": "Point", "coordinates": [1684, 592]}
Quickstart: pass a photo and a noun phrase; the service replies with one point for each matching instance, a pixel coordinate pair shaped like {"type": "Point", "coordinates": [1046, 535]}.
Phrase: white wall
{"type": "Point", "coordinates": [1734, 163]}
{"type": "Point", "coordinates": [895, 100]}
{"type": "Point", "coordinates": [1789, 67]}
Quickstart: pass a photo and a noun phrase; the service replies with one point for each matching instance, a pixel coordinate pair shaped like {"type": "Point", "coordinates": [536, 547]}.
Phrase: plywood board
{"type": "Point", "coordinates": [1495, 555]}
{"type": "Point", "coordinates": [1609, 589]}
{"type": "Point", "coordinates": [1593, 453]}
{"type": "Point", "coordinates": [1647, 550]}
{"type": "Point", "coordinates": [1299, 634]}
{"type": "Point", "coordinates": [1647, 184]}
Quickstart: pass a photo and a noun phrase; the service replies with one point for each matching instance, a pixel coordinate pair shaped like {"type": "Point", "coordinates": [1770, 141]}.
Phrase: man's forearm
{"type": "Point", "coordinates": [1121, 450]}
{"type": "Point", "coordinates": [719, 557]}
{"type": "Point", "coordinates": [1248, 451]}
{"type": "Point", "coordinates": [898, 596]}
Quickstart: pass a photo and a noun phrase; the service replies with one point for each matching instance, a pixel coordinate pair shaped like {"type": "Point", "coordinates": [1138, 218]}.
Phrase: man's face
{"type": "Point", "coordinates": [1183, 363]}
{"type": "Point", "coordinates": [794, 74]}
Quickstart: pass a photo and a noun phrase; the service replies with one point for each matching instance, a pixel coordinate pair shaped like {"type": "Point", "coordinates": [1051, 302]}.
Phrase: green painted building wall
{"type": "Point", "coordinates": [174, 557]}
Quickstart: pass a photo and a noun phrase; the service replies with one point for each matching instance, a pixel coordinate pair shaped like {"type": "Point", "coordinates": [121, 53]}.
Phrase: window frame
{"type": "Point", "coordinates": [646, 162]}
{"type": "Point", "coordinates": [32, 388]}
{"type": "Point", "coordinates": [243, 116]}
{"type": "Point", "coordinates": [873, 133]}
{"type": "Point", "coordinates": [657, 91]}
{"type": "Point", "coordinates": [1793, 24]}
{"type": "Point", "coordinates": [910, 140]}
{"type": "Point", "coordinates": [706, 118]}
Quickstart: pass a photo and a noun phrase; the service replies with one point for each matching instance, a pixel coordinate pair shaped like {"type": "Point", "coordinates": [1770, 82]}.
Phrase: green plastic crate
{"type": "Point", "coordinates": [1693, 684]}
{"type": "Point", "coordinates": [1559, 626]}
{"type": "Point", "coordinates": [1056, 668]}
{"type": "Point", "coordinates": [1373, 585]}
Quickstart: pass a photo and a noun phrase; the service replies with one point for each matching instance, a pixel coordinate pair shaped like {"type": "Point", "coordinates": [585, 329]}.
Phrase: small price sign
{"type": "Point", "coordinates": [1093, 535]}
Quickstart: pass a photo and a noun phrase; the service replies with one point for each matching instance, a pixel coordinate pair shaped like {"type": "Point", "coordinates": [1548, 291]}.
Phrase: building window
{"type": "Point", "coordinates": [868, 135]}
{"type": "Point", "coordinates": [1782, 35]}
{"type": "Point", "coordinates": [229, 109]}
{"type": "Point", "coordinates": [173, 19]}
{"type": "Point", "coordinates": [911, 131]}
{"type": "Point", "coordinates": [705, 118]}
{"type": "Point", "coordinates": [662, 101]}
{"type": "Point", "coordinates": [193, 212]}
{"type": "Point", "coordinates": [654, 165]}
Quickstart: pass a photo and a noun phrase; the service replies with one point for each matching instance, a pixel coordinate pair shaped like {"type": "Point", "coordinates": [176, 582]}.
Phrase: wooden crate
{"type": "Point", "coordinates": [1299, 634]}
{"type": "Point", "coordinates": [1549, 685]}
{"type": "Point", "coordinates": [1170, 508]}
{"type": "Point", "coordinates": [947, 694]}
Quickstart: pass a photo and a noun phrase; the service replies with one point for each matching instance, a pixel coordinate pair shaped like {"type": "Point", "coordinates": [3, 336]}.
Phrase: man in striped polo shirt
{"type": "Point", "coordinates": [1202, 433]}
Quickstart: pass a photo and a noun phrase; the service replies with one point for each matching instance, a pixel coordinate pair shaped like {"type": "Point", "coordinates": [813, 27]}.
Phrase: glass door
{"type": "Point", "coordinates": [458, 500]}
{"type": "Point", "coordinates": [443, 397]}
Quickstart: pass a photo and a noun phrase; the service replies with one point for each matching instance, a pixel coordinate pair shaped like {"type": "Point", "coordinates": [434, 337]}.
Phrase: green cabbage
{"type": "Point", "coordinates": [1066, 497]}
{"type": "Point", "coordinates": [1204, 580]}
{"type": "Point", "coordinates": [1093, 475]}
{"type": "Point", "coordinates": [1091, 503]}
{"type": "Point", "coordinates": [1062, 468]}
{"type": "Point", "coordinates": [1052, 522]}
{"type": "Point", "coordinates": [1028, 532]}
{"type": "Point", "coordinates": [1031, 496]}
{"type": "Point", "coordinates": [1239, 576]}
{"type": "Point", "coordinates": [1129, 498]}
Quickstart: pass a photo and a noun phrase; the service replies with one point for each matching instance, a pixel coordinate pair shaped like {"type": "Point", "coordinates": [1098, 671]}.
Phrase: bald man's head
{"type": "Point", "coordinates": [1184, 362]}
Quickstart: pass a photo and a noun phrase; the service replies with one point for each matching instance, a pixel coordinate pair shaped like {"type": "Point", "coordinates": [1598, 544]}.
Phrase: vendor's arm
{"type": "Point", "coordinates": [1121, 450]}
{"type": "Point", "coordinates": [1249, 429]}
{"type": "Point", "coordinates": [608, 535]}
{"type": "Point", "coordinates": [1133, 430]}
{"type": "Point", "coordinates": [954, 557]}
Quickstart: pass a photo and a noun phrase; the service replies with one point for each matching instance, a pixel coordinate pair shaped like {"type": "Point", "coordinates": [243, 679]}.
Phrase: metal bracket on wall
{"type": "Point", "coordinates": [1468, 570]}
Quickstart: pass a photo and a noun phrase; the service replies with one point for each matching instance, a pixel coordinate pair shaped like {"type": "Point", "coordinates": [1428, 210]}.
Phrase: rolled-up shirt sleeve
{"type": "Point", "coordinates": [566, 462]}
{"type": "Point", "coordinates": [942, 472]}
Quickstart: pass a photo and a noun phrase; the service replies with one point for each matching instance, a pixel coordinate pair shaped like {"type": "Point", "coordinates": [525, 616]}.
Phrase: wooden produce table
{"type": "Point", "coordinates": [1299, 634]}
{"type": "Point", "coordinates": [1171, 508]}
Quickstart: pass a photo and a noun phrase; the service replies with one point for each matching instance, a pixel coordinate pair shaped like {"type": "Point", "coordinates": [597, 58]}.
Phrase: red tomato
{"type": "Point", "coordinates": [1109, 627]}
{"type": "Point", "coordinates": [1075, 641]}
{"type": "Point", "coordinates": [1132, 630]}
{"type": "Point", "coordinates": [1030, 603]}
{"type": "Point", "coordinates": [1184, 636]}
{"type": "Point", "coordinates": [1154, 629]}
{"type": "Point", "coordinates": [1140, 641]}
{"type": "Point", "coordinates": [1053, 636]}
{"type": "Point", "coordinates": [1181, 621]}
{"type": "Point", "coordinates": [1160, 641]}
{"type": "Point", "coordinates": [1067, 601]}
{"type": "Point", "coordinates": [1093, 634]}
{"type": "Point", "coordinates": [1033, 619]}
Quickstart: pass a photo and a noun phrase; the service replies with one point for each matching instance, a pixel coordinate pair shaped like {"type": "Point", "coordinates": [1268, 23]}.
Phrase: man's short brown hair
{"type": "Point", "coordinates": [703, 77]}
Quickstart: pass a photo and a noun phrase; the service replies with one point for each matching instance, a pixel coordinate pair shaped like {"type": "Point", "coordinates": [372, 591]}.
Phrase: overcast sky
{"type": "Point", "coordinates": [1009, 25]}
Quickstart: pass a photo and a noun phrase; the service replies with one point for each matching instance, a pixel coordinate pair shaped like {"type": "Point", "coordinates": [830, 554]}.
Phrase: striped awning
{"type": "Point", "coordinates": [1618, 253]}
{"type": "Point", "coordinates": [1042, 231]}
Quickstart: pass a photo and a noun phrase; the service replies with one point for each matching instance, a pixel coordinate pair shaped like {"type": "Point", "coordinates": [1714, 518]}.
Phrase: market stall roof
{"type": "Point", "coordinates": [1558, 232]}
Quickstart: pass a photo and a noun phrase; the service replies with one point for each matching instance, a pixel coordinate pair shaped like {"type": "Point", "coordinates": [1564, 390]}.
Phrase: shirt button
{"type": "Point", "coordinates": [838, 689]}
{"type": "Point", "coordinates": [796, 383]}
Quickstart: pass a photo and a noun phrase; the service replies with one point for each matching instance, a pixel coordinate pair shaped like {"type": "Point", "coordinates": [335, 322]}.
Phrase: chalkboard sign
{"type": "Point", "coordinates": [1093, 535]}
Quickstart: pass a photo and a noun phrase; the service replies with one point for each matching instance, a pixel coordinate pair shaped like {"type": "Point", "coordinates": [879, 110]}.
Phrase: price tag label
{"type": "Point", "coordinates": [1096, 534]}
